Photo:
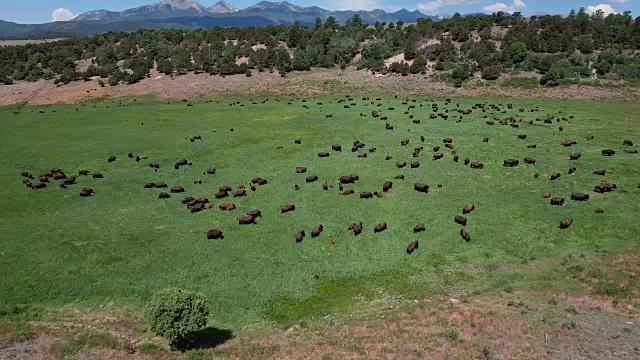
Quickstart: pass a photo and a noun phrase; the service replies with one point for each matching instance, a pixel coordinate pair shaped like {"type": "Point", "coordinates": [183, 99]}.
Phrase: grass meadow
{"type": "Point", "coordinates": [122, 244]}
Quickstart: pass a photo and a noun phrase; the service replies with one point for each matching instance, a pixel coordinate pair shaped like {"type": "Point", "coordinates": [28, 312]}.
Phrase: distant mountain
{"type": "Point", "coordinates": [189, 14]}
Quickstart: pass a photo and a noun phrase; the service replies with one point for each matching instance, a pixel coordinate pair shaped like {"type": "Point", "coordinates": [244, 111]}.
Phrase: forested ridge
{"type": "Point", "coordinates": [578, 45]}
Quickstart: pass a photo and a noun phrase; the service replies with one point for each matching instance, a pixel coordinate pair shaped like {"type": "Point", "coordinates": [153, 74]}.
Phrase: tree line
{"type": "Point", "coordinates": [578, 45]}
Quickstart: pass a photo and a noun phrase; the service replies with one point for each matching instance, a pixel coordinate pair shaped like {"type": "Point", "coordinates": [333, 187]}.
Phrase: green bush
{"type": "Point", "coordinates": [491, 72]}
{"type": "Point", "coordinates": [603, 67]}
{"type": "Point", "coordinates": [552, 77]}
{"type": "Point", "coordinates": [461, 72]}
{"type": "Point", "coordinates": [174, 313]}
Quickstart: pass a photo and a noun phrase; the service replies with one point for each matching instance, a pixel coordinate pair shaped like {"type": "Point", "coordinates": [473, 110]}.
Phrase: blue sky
{"type": "Point", "coordinates": [41, 11]}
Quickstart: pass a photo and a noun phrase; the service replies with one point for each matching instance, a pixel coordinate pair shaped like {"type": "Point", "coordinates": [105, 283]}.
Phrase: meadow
{"type": "Point", "coordinates": [122, 244]}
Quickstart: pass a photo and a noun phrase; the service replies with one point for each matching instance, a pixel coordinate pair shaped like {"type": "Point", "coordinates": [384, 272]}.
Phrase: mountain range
{"type": "Point", "coordinates": [189, 14]}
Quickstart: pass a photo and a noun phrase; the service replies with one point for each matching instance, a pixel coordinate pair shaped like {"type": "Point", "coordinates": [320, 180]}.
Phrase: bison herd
{"type": "Point", "coordinates": [199, 204]}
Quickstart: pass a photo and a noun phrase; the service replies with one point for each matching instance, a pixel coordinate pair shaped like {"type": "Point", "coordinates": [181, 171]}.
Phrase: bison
{"type": "Point", "coordinates": [608, 152]}
{"type": "Point", "coordinates": [336, 147]}
{"type": "Point", "coordinates": [357, 229]}
{"type": "Point", "coordinates": [197, 207]}
{"type": "Point", "coordinates": [111, 159]}
{"type": "Point", "coordinates": [239, 193]}
{"type": "Point", "coordinates": [164, 195]}
{"type": "Point", "coordinates": [413, 246]}
{"type": "Point", "coordinates": [579, 196]}
{"type": "Point", "coordinates": [476, 164]}
{"type": "Point", "coordinates": [315, 232]}
{"type": "Point", "coordinates": [380, 227]}
{"type": "Point", "coordinates": [215, 234]}
{"type": "Point", "coordinates": [245, 220]}
{"type": "Point", "coordinates": [415, 165]}
{"type": "Point", "coordinates": [97, 175]}
{"type": "Point", "coordinates": [387, 186]}
{"type": "Point", "coordinates": [555, 176]}
{"type": "Point", "coordinates": [300, 235]}
{"type": "Point", "coordinates": [465, 235]}
{"type": "Point", "coordinates": [366, 195]}
{"type": "Point", "coordinates": [227, 206]}
{"type": "Point", "coordinates": [566, 223]}
{"type": "Point", "coordinates": [529, 160]}
{"type": "Point", "coordinates": [511, 163]}
{"type": "Point", "coordinates": [438, 156]}
{"type": "Point", "coordinates": [469, 208]}
{"type": "Point", "coordinates": [225, 188]}
{"type": "Point", "coordinates": [558, 201]}
{"type": "Point", "coordinates": [287, 208]}
{"type": "Point", "coordinates": [575, 156]}
{"type": "Point", "coordinates": [418, 228]}
{"type": "Point", "coordinates": [323, 154]}
{"type": "Point", "coordinates": [602, 188]}
{"type": "Point", "coordinates": [349, 179]}
{"type": "Point", "coordinates": [301, 169]}
{"type": "Point", "coordinates": [177, 189]}
{"type": "Point", "coordinates": [211, 171]}
{"type": "Point", "coordinates": [401, 164]}
{"type": "Point", "coordinates": [421, 187]}
{"type": "Point", "coordinates": [460, 220]}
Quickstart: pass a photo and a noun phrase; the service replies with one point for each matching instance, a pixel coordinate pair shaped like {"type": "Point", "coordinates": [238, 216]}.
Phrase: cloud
{"type": "Point", "coordinates": [606, 9]}
{"type": "Point", "coordinates": [499, 6]}
{"type": "Point", "coordinates": [62, 14]}
{"type": "Point", "coordinates": [436, 4]}
{"type": "Point", "coordinates": [357, 4]}
{"type": "Point", "coordinates": [616, 1]}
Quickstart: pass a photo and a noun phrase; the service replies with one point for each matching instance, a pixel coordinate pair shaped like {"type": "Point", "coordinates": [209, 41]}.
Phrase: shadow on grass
{"type": "Point", "coordinates": [207, 338]}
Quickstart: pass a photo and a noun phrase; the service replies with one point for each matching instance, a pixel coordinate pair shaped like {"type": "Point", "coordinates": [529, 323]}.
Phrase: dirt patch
{"type": "Point", "coordinates": [397, 58]}
{"type": "Point", "coordinates": [242, 60]}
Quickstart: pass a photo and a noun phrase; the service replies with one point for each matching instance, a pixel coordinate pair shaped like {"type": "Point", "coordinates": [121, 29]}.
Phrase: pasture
{"type": "Point", "coordinates": [123, 243]}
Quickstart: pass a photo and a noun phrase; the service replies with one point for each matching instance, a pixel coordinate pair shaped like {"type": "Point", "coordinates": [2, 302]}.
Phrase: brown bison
{"type": "Point", "coordinates": [599, 210]}
{"type": "Point", "coordinates": [460, 220]}
{"type": "Point", "coordinates": [438, 156]}
{"type": "Point", "coordinates": [38, 185]}
{"type": "Point", "coordinates": [164, 195]}
{"type": "Point", "coordinates": [255, 213]}
{"type": "Point", "coordinates": [177, 189]}
{"type": "Point", "coordinates": [227, 206]}
{"type": "Point", "coordinates": [58, 176]}
{"type": "Point", "coordinates": [421, 187]}
{"type": "Point", "coordinates": [197, 207]}
{"type": "Point", "coordinates": [413, 246]}
{"type": "Point", "coordinates": [529, 160]}
{"type": "Point", "coordinates": [221, 194]}
{"type": "Point", "coordinates": [86, 192]}
{"type": "Point", "coordinates": [465, 235]}
{"type": "Point", "coordinates": [387, 186]}
{"type": "Point", "coordinates": [476, 164]}
{"type": "Point", "coordinates": [323, 154]}
{"type": "Point", "coordinates": [566, 223]}
{"type": "Point", "coordinates": [447, 140]}
{"type": "Point", "coordinates": [211, 171]}
{"type": "Point", "coordinates": [575, 156]}
{"type": "Point", "coordinates": [456, 158]}
{"type": "Point", "coordinates": [602, 188]}
{"type": "Point", "coordinates": [111, 159]}
{"type": "Point", "coordinates": [301, 169]}
{"type": "Point", "coordinates": [300, 236]}
{"type": "Point", "coordinates": [627, 143]}
{"type": "Point", "coordinates": [349, 179]}
{"type": "Point", "coordinates": [555, 176]}
{"type": "Point", "coordinates": [245, 220]}
{"type": "Point", "coordinates": [154, 165]}
{"type": "Point", "coordinates": [188, 199]}
{"type": "Point", "coordinates": [83, 172]}
{"type": "Point", "coordinates": [399, 177]}
{"type": "Point", "coordinates": [418, 228]}
{"type": "Point", "coordinates": [546, 195]}
{"type": "Point", "coordinates": [401, 164]}
{"type": "Point", "coordinates": [298, 141]}
{"type": "Point", "coordinates": [363, 155]}
{"type": "Point", "coordinates": [579, 196]}
{"type": "Point", "coordinates": [97, 175]}
{"type": "Point", "coordinates": [347, 192]}
{"type": "Point", "coordinates": [522, 136]}
{"type": "Point", "coordinates": [558, 201]}
{"type": "Point", "coordinates": [511, 163]}
{"type": "Point", "coordinates": [366, 195]}
{"type": "Point", "coordinates": [469, 208]}
{"type": "Point", "coordinates": [287, 208]}
{"type": "Point", "coordinates": [336, 147]}
{"type": "Point", "coordinates": [415, 165]}
{"type": "Point", "coordinates": [315, 232]}
{"type": "Point", "coordinates": [215, 234]}
{"type": "Point", "coordinates": [239, 193]}
{"type": "Point", "coordinates": [225, 188]}
{"type": "Point", "coordinates": [608, 152]}
{"type": "Point", "coordinates": [357, 229]}
{"type": "Point", "coordinates": [600, 172]}
{"type": "Point", "coordinates": [466, 161]}
{"type": "Point", "coordinates": [380, 227]}
{"type": "Point", "coordinates": [572, 169]}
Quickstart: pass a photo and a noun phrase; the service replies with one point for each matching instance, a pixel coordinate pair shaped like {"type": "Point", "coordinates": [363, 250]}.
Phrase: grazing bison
{"type": "Point", "coordinates": [97, 175]}
{"type": "Point", "coordinates": [415, 164]}
{"type": "Point", "coordinates": [148, 185]}
{"type": "Point", "coordinates": [38, 185]}
{"type": "Point", "coordinates": [575, 156]}
{"type": "Point", "coordinates": [363, 155]}
{"type": "Point", "coordinates": [599, 211]}
{"type": "Point", "coordinates": [225, 188]}
{"type": "Point", "coordinates": [164, 195]}
{"type": "Point", "coordinates": [298, 141]}
{"type": "Point", "coordinates": [58, 176]}
{"type": "Point", "coordinates": [347, 192]}
{"type": "Point", "coordinates": [465, 235]}
{"type": "Point", "coordinates": [460, 220]}
{"type": "Point", "coordinates": [511, 163]}
{"type": "Point", "coordinates": [26, 174]}
{"type": "Point", "coordinates": [111, 159]}
{"type": "Point", "coordinates": [572, 170]}
{"type": "Point", "coordinates": [469, 208]}
{"type": "Point", "coordinates": [239, 193]}
{"type": "Point", "coordinates": [546, 195]}
{"type": "Point", "coordinates": [215, 234]}
{"type": "Point", "coordinates": [485, 140]}
{"type": "Point", "coordinates": [602, 188]}
{"type": "Point", "coordinates": [154, 165]}
{"type": "Point", "coordinates": [202, 200]}
{"type": "Point", "coordinates": [221, 194]}
{"type": "Point", "coordinates": [323, 154]}
{"type": "Point", "coordinates": [631, 151]}
{"type": "Point", "coordinates": [579, 196]}
{"type": "Point", "coordinates": [211, 171]}
{"type": "Point", "coordinates": [476, 164]}
{"type": "Point", "coordinates": [378, 194]}
{"type": "Point", "coordinates": [568, 142]}
{"type": "Point", "coordinates": [608, 152]}
{"type": "Point", "coordinates": [287, 208]}
{"type": "Point", "coordinates": [387, 186]}
{"type": "Point", "coordinates": [522, 136]}
{"type": "Point", "coordinates": [245, 220]}
{"type": "Point", "coordinates": [627, 143]}
{"type": "Point", "coordinates": [349, 179]}
{"type": "Point", "coordinates": [315, 232]}
{"type": "Point", "coordinates": [188, 199]}
{"type": "Point", "coordinates": [438, 156]}
{"type": "Point", "coordinates": [421, 187]}
{"type": "Point", "coordinates": [529, 160]}
{"type": "Point", "coordinates": [399, 177]}
{"type": "Point", "coordinates": [197, 207]}
{"type": "Point", "coordinates": [227, 206]}
{"type": "Point", "coordinates": [566, 223]}
{"type": "Point", "coordinates": [380, 227]}
{"type": "Point", "coordinates": [357, 229]}
{"type": "Point", "coordinates": [466, 161]}
{"type": "Point", "coordinates": [311, 178]}
{"type": "Point", "coordinates": [456, 158]}
{"type": "Point", "coordinates": [600, 172]}
{"type": "Point", "coordinates": [366, 195]}
{"type": "Point", "coordinates": [436, 148]}
{"type": "Point", "coordinates": [177, 189]}
{"type": "Point", "coordinates": [555, 176]}
{"type": "Point", "coordinates": [301, 169]}
{"type": "Point", "coordinates": [447, 140]}
{"type": "Point", "coordinates": [533, 146]}
{"type": "Point", "coordinates": [86, 192]}
{"type": "Point", "coordinates": [300, 235]}
{"type": "Point", "coordinates": [255, 213]}
{"type": "Point", "coordinates": [401, 164]}
{"type": "Point", "coordinates": [558, 201]}
{"type": "Point", "coordinates": [418, 228]}
{"type": "Point", "coordinates": [83, 172]}
{"type": "Point", "coordinates": [336, 147]}
{"type": "Point", "coordinates": [413, 246]}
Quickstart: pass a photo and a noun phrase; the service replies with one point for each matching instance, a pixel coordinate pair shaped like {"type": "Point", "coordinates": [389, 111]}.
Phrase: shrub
{"type": "Point", "coordinates": [173, 313]}
{"type": "Point", "coordinates": [248, 73]}
{"type": "Point", "coordinates": [603, 67]}
{"type": "Point", "coordinates": [552, 77]}
{"type": "Point", "coordinates": [101, 83]}
{"type": "Point", "coordinates": [491, 72]}
{"type": "Point", "coordinates": [461, 72]}
{"type": "Point", "coordinates": [518, 52]}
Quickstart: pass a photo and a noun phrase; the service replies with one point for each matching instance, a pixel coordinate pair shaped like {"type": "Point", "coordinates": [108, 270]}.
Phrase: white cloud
{"type": "Point", "coordinates": [436, 4]}
{"type": "Point", "coordinates": [358, 4]}
{"type": "Point", "coordinates": [616, 1]}
{"type": "Point", "coordinates": [62, 14]}
{"type": "Point", "coordinates": [499, 6]}
{"type": "Point", "coordinates": [606, 9]}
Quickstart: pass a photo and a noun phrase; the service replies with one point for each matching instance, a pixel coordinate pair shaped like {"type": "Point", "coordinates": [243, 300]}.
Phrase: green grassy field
{"type": "Point", "coordinates": [122, 244]}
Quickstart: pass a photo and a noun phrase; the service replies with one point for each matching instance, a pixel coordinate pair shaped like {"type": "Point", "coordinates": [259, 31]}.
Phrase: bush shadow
{"type": "Point", "coordinates": [206, 338]}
